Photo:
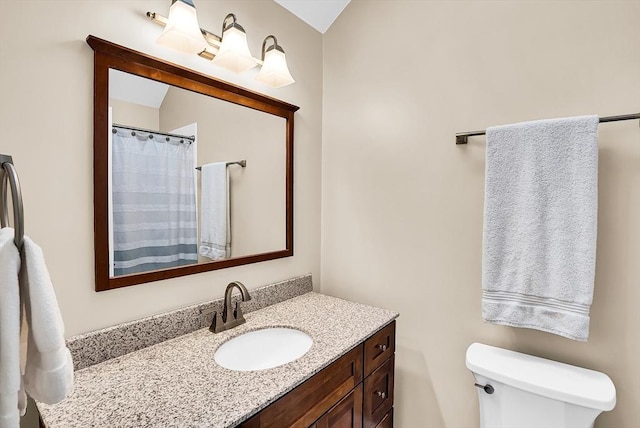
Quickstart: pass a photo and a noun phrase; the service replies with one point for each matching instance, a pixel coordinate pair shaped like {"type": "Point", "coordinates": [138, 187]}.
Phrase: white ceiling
{"type": "Point", "coordinates": [320, 14]}
{"type": "Point", "coordinates": [136, 89]}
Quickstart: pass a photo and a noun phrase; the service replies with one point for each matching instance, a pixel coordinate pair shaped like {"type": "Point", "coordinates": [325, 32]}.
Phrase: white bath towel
{"type": "Point", "coordinates": [48, 375]}
{"type": "Point", "coordinates": [11, 404]}
{"type": "Point", "coordinates": [540, 221]}
{"type": "Point", "coordinates": [215, 225]}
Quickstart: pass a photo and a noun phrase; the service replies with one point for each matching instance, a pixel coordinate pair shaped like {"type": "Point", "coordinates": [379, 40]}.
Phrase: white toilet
{"type": "Point", "coordinates": [522, 391]}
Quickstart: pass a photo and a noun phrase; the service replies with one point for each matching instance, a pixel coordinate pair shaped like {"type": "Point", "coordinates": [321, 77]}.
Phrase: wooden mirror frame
{"type": "Point", "coordinates": [109, 55]}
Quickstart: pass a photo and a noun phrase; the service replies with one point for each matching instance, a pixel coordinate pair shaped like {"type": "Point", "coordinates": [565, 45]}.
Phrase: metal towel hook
{"type": "Point", "coordinates": [8, 174]}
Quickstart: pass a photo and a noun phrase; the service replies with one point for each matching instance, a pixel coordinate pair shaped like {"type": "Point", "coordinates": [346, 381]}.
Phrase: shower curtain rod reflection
{"type": "Point", "coordinates": [462, 137]}
{"type": "Point", "coordinates": [150, 131]}
{"type": "Point", "coordinates": [242, 163]}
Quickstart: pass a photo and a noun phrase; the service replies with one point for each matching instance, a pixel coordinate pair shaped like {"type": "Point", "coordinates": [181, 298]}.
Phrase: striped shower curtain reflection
{"type": "Point", "coordinates": [154, 202]}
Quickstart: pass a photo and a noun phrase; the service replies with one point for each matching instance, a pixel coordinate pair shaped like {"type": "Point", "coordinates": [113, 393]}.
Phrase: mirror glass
{"type": "Point", "coordinates": [171, 226]}
{"type": "Point", "coordinates": [191, 174]}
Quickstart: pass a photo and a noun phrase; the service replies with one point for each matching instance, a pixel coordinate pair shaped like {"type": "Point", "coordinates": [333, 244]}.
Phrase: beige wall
{"type": "Point", "coordinates": [46, 108]}
{"type": "Point", "coordinates": [402, 205]}
{"type": "Point", "coordinates": [137, 115]}
{"type": "Point", "coordinates": [230, 132]}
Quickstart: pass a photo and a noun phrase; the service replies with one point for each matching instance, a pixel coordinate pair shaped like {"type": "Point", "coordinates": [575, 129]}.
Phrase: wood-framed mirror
{"type": "Point", "coordinates": [165, 140]}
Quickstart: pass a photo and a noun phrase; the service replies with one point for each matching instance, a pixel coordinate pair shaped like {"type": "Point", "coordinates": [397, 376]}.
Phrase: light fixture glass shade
{"type": "Point", "coordinates": [274, 71]}
{"type": "Point", "coordinates": [234, 51]}
{"type": "Point", "coordinates": [182, 31]}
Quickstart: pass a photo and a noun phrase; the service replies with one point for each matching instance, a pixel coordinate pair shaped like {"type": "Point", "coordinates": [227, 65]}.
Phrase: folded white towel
{"type": "Point", "coordinates": [10, 388]}
{"type": "Point", "coordinates": [540, 221]}
{"type": "Point", "coordinates": [215, 225]}
{"type": "Point", "coordinates": [48, 375]}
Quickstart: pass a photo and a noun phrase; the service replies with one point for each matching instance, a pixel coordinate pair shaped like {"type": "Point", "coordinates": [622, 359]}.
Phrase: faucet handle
{"type": "Point", "coordinates": [237, 314]}
{"type": "Point", "coordinates": [234, 319]}
{"type": "Point", "coordinates": [217, 325]}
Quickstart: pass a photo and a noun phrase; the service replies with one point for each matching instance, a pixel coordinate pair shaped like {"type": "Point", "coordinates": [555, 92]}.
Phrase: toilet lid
{"type": "Point", "coordinates": [544, 377]}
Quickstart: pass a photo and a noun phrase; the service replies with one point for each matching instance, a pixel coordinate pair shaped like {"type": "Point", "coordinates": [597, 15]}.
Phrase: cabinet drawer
{"type": "Point", "coordinates": [379, 347]}
{"type": "Point", "coordinates": [378, 394]}
{"type": "Point", "coordinates": [306, 403]}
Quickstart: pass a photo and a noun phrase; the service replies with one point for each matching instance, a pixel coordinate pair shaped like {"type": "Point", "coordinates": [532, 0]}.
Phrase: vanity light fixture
{"type": "Point", "coordinates": [182, 31]}
{"type": "Point", "coordinates": [231, 51]}
{"type": "Point", "coordinates": [234, 52]}
{"type": "Point", "coordinates": [274, 71]}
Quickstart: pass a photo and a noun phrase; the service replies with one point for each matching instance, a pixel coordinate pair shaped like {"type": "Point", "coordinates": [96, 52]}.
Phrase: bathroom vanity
{"type": "Point", "coordinates": [354, 391]}
{"type": "Point", "coordinates": [344, 380]}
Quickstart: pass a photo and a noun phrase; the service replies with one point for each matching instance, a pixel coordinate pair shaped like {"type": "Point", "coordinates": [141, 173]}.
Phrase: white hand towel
{"type": "Point", "coordinates": [215, 234]}
{"type": "Point", "coordinates": [10, 387]}
{"type": "Point", "coordinates": [540, 221]}
{"type": "Point", "coordinates": [48, 375]}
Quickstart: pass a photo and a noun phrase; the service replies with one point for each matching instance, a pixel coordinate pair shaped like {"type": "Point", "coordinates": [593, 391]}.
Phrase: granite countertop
{"type": "Point", "coordinates": [178, 383]}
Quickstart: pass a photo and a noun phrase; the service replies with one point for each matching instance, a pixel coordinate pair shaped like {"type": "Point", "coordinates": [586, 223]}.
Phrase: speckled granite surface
{"type": "Point", "coordinates": [101, 345]}
{"type": "Point", "coordinates": [177, 383]}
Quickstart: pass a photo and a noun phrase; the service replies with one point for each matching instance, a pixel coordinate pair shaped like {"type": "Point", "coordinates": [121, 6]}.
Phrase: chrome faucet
{"type": "Point", "coordinates": [230, 319]}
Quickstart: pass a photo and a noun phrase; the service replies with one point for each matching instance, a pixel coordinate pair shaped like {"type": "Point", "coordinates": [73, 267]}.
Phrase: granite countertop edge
{"type": "Point", "coordinates": [185, 387]}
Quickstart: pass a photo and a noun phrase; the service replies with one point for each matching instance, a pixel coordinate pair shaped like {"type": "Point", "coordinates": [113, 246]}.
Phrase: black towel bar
{"type": "Point", "coordinates": [462, 137]}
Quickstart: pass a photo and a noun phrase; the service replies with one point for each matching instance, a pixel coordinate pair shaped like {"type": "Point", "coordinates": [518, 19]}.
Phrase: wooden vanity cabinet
{"type": "Point", "coordinates": [355, 391]}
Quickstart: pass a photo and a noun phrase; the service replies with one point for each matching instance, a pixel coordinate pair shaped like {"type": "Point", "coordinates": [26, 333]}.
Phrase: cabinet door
{"type": "Point", "coordinates": [346, 414]}
{"type": "Point", "coordinates": [387, 420]}
{"type": "Point", "coordinates": [309, 401]}
{"type": "Point", "coordinates": [378, 394]}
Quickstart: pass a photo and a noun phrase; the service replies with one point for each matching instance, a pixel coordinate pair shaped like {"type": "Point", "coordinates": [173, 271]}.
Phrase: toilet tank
{"type": "Point", "coordinates": [535, 392]}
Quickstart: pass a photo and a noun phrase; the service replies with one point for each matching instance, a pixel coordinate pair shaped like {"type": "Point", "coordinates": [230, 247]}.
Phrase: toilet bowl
{"type": "Point", "coordinates": [522, 391]}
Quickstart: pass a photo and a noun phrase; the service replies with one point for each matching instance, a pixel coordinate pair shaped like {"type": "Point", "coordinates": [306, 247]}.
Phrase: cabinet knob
{"type": "Point", "coordinates": [382, 347]}
{"type": "Point", "coordinates": [381, 394]}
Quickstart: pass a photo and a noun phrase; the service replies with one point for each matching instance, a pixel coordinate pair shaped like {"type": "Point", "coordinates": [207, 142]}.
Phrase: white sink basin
{"type": "Point", "coordinates": [263, 349]}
